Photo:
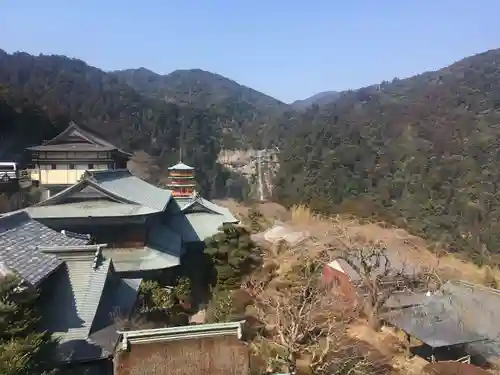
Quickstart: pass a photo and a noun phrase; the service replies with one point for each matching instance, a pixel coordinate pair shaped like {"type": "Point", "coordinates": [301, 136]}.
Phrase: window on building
{"type": "Point", "coordinates": [91, 166]}
{"type": "Point", "coordinates": [71, 166]}
{"type": "Point", "coordinates": [53, 166]}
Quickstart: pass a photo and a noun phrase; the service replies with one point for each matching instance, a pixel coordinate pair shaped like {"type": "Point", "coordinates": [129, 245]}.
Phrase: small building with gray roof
{"type": "Point", "coordinates": [460, 314]}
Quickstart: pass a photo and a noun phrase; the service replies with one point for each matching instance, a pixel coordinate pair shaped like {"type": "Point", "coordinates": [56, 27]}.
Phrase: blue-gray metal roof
{"type": "Point", "coordinates": [163, 250]}
{"type": "Point", "coordinates": [82, 306]}
{"type": "Point", "coordinates": [90, 208]}
{"type": "Point", "coordinates": [20, 236]}
{"type": "Point", "coordinates": [141, 259]}
{"type": "Point", "coordinates": [187, 204]}
{"type": "Point", "coordinates": [75, 298]}
{"type": "Point", "coordinates": [196, 226]}
{"type": "Point", "coordinates": [132, 188]}
{"type": "Point", "coordinates": [197, 218]}
{"type": "Point", "coordinates": [117, 304]}
{"type": "Point", "coordinates": [164, 239]}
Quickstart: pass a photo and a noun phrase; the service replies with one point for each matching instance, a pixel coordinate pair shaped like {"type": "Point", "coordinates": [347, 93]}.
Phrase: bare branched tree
{"type": "Point", "coordinates": [378, 278]}
{"type": "Point", "coordinates": [308, 323]}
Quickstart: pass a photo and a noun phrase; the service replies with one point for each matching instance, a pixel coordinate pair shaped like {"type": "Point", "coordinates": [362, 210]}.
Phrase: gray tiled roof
{"type": "Point", "coordinates": [473, 300]}
{"type": "Point", "coordinates": [20, 236]}
{"type": "Point", "coordinates": [56, 144]}
{"type": "Point", "coordinates": [132, 188]}
{"type": "Point", "coordinates": [460, 313]}
{"type": "Point", "coordinates": [435, 323]}
{"type": "Point", "coordinates": [72, 147]}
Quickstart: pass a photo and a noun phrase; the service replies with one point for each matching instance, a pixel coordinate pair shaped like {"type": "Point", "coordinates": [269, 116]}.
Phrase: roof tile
{"type": "Point", "coordinates": [19, 238]}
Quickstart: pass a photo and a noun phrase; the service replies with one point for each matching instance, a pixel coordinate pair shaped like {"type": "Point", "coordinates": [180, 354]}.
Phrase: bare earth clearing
{"type": "Point", "coordinates": [323, 231]}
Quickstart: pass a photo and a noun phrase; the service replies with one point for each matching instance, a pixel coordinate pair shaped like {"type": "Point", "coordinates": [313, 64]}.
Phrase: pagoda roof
{"type": "Point", "coordinates": [87, 141]}
{"type": "Point", "coordinates": [180, 167]}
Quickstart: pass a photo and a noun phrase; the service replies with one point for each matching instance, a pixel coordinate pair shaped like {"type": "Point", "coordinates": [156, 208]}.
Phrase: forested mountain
{"type": "Point", "coordinates": [423, 152]}
{"type": "Point", "coordinates": [245, 110]}
{"type": "Point", "coordinates": [322, 98]}
{"type": "Point", "coordinates": [65, 88]}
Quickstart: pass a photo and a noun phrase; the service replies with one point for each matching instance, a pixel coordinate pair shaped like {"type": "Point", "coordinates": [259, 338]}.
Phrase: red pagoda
{"type": "Point", "coordinates": [181, 180]}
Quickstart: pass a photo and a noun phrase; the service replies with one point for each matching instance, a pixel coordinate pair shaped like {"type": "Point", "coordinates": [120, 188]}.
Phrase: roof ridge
{"type": "Point", "coordinates": [114, 174]}
{"type": "Point", "coordinates": [474, 285]}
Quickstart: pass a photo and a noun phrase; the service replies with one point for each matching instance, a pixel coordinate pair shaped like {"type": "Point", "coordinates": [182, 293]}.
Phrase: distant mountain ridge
{"type": "Point", "coordinates": [196, 87]}
{"type": "Point", "coordinates": [321, 98]}
{"type": "Point", "coordinates": [246, 111]}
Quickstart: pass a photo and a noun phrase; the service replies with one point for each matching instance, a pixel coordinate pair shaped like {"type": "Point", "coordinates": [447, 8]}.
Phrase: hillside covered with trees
{"type": "Point", "coordinates": [423, 152]}
{"type": "Point", "coordinates": [242, 111]}
{"type": "Point", "coordinates": [40, 94]}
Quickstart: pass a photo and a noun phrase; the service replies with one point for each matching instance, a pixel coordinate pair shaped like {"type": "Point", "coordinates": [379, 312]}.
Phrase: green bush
{"type": "Point", "coordinates": [234, 255]}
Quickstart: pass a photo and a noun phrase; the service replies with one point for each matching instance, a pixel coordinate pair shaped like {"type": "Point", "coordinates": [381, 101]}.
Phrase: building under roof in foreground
{"type": "Point", "coordinates": [82, 298]}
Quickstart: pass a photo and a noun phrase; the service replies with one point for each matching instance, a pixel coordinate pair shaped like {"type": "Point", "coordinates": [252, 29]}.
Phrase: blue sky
{"type": "Point", "coordinates": [288, 49]}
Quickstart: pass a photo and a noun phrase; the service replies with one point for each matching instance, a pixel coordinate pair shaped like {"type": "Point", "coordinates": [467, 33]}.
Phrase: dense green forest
{"type": "Point", "coordinates": [41, 93]}
{"type": "Point", "coordinates": [241, 111]}
{"type": "Point", "coordinates": [423, 152]}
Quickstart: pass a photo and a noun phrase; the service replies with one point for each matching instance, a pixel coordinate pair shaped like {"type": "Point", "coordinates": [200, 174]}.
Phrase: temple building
{"type": "Point", "coordinates": [141, 227]}
{"type": "Point", "coordinates": [61, 161]}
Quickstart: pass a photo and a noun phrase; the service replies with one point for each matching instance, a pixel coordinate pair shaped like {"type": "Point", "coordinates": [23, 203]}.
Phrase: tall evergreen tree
{"type": "Point", "coordinates": [23, 350]}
